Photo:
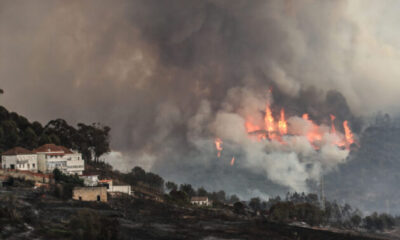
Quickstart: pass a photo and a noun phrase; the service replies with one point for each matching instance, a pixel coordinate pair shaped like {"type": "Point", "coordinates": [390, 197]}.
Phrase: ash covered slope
{"type": "Point", "coordinates": [369, 180]}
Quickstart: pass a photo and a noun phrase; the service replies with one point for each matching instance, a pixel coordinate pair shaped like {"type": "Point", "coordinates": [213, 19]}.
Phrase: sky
{"type": "Point", "coordinates": [169, 76]}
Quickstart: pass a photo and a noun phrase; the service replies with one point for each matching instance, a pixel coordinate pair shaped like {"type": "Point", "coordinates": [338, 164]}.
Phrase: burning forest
{"type": "Point", "coordinates": [291, 149]}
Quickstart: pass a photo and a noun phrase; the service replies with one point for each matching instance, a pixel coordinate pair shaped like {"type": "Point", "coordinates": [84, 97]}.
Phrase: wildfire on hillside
{"type": "Point", "coordinates": [278, 129]}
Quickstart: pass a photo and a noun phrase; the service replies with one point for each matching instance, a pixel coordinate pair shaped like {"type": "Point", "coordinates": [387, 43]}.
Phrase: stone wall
{"type": "Point", "coordinates": [90, 194]}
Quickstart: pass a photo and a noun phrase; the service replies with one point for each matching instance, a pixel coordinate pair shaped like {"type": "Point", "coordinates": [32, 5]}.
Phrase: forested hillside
{"type": "Point", "coordinates": [15, 130]}
{"type": "Point", "coordinates": [370, 178]}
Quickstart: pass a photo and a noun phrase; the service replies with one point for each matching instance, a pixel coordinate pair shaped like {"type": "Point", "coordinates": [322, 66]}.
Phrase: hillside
{"type": "Point", "coordinates": [369, 179]}
{"type": "Point", "coordinates": [27, 214]}
{"type": "Point", "coordinates": [92, 140]}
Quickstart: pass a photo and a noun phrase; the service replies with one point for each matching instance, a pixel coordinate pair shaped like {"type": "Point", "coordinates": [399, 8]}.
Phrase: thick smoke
{"type": "Point", "coordinates": [290, 164]}
{"type": "Point", "coordinates": [169, 76]}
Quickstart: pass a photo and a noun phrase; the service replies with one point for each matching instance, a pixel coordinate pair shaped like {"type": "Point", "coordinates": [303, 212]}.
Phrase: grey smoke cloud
{"type": "Point", "coordinates": [161, 72]}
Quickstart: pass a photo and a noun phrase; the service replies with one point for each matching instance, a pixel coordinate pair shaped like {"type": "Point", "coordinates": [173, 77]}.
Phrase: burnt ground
{"type": "Point", "coordinates": [146, 219]}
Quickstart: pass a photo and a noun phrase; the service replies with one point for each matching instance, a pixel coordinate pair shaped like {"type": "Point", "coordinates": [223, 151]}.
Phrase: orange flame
{"type": "Point", "coordinates": [348, 134]}
{"type": "Point", "coordinates": [233, 161]}
{"type": "Point", "coordinates": [333, 129]}
{"type": "Point", "coordinates": [275, 131]}
{"type": "Point", "coordinates": [314, 134]}
{"type": "Point", "coordinates": [282, 125]}
{"type": "Point", "coordinates": [218, 146]}
{"type": "Point", "coordinates": [250, 127]}
{"type": "Point", "coordinates": [269, 120]}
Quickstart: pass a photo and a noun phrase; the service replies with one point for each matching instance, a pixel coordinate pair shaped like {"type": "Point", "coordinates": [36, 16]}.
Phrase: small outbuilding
{"type": "Point", "coordinates": [98, 194]}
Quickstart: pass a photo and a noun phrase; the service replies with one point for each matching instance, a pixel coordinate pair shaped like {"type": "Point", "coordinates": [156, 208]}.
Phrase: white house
{"type": "Point", "coordinates": [200, 201]}
{"type": "Point", "coordinates": [51, 156]}
{"type": "Point", "coordinates": [20, 159]}
{"type": "Point", "coordinates": [90, 180]}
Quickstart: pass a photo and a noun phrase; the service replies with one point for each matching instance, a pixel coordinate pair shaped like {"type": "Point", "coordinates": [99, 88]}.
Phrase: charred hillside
{"type": "Point", "coordinates": [27, 214]}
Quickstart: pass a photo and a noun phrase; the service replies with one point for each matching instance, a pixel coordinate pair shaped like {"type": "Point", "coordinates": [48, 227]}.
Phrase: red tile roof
{"type": "Point", "coordinates": [105, 180]}
{"type": "Point", "coordinates": [196, 199]}
{"type": "Point", "coordinates": [66, 150]}
{"type": "Point", "coordinates": [17, 151]}
{"type": "Point", "coordinates": [48, 148]}
{"type": "Point", "coordinates": [52, 148]}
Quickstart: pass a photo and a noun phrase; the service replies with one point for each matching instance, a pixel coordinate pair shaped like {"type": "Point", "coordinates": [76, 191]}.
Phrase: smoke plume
{"type": "Point", "coordinates": [170, 76]}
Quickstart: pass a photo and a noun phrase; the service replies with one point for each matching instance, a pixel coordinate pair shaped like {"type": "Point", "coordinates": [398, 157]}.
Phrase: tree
{"type": "Point", "coordinates": [234, 199]}
{"type": "Point", "coordinates": [179, 197]}
{"type": "Point", "coordinates": [201, 192]}
{"type": "Point", "coordinates": [171, 186]}
{"type": "Point", "coordinates": [255, 203]}
{"type": "Point", "coordinates": [66, 134]}
{"type": "Point", "coordinates": [37, 127]}
{"type": "Point", "coordinates": [187, 188]}
{"type": "Point", "coordinates": [57, 174]}
{"type": "Point", "coordinates": [308, 213]}
{"type": "Point", "coordinates": [154, 181]}
{"type": "Point", "coordinates": [66, 183]}
{"type": "Point", "coordinates": [11, 134]}
{"type": "Point", "coordinates": [312, 198]}
{"type": "Point", "coordinates": [281, 211]}
{"type": "Point", "coordinates": [355, 220]}
{"type": "Point", "coordinates": [29, 140]}
{"type": "Point", "coordinates": [93, 140]}
{"type": "Point", "coordinates": [239, 208]}
{"type": "Point", "coordinates": [139, 173]}
{"type": "Point", "coordinates": [221, 196]}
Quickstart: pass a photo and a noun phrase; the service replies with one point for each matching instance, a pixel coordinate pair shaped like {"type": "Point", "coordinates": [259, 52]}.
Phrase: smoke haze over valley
{"type": "Point", "coordinates": [171, 77]}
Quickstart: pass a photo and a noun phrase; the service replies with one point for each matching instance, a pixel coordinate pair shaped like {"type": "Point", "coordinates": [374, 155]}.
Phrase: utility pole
{"type": "Point", "coordinates": [322, 192]}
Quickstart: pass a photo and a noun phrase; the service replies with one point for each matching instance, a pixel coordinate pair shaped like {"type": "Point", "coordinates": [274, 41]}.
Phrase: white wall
{"type": "Point", "coordinates": [75, 166]}
{"type": "Point", "coordinates": [41, 162]}
{"type": "Point", "coordinates": [122, 189]}
{"type": "Point", "coordinates": [26, 162]}
{"type": "Point", "coordinates": [68, 163]}
{"type": "Point", "coordinates": [45, 162]}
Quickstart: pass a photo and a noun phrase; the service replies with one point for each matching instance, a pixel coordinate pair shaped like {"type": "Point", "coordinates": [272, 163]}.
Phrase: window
{"type": "Point", "coordinates": [28, 165]}
{"type": "Point", "coordinates": [98, 197]}
{"type": "Point", "coordinates": [33, 165]}
{"type": "Point", "coordinates": [80, 198]}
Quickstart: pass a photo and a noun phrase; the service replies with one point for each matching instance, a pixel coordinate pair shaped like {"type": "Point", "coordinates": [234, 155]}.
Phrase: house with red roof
{"type": "Point", "coordinates": [51, 156]}
{"type": "Point", "coordinates": [200, 201]}
{"type": "Point", "coordinates": [19, 158]}
{"type": "Point", "coordinates": [44, 159]}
